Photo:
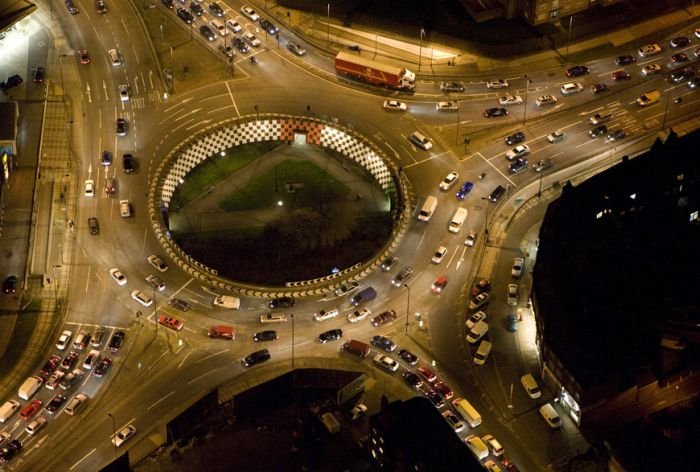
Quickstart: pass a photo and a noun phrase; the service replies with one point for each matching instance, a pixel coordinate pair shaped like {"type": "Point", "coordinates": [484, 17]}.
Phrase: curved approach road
{"type": "Point", "coordinates": [159, 372]}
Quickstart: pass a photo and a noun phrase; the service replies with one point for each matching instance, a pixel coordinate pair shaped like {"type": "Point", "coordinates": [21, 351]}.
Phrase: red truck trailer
{"type": "Point", "coordinates": [373, 72]}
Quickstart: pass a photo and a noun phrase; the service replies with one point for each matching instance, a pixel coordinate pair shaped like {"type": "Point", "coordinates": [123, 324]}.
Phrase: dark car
{"type": "Point", "coordinates": [168, 4]}
{"type": "Point", "coordinates": [412, 379]}
{"type": "Point", "coordinates": [185, 16]}
{"type": "Point", "coordinates": [196, 9]}
{"type": "Point", "coordinates": [227, 51]}
{"type": "Point", "coordinates": [103, 367]}
{"type": "Point", "coordinates": [121, 127]}
{"type": "Point", "coordinates": [128, 163]}
{"type": "Point", "coordinates": [518, 165]}
{"type": "Point", "coordinates": [384, 343]}
{"type": "Point", "coordinates": [207, 32]}
{"type": "Point", "coordinates": [93, 226]}
{"type": "Point", "coordinates": [100, 7]}
{"type": "Point", "coordinates": [679, 76]}
{"type": "Point", "coordinates": [69, 361]}
{"type": "Point", "coordinates": [577, 71]}
{"type": "Point", "coordinates": [389, 263]}
{"type": "Point", "coordinates": [10, 451]}
{"type": "Point", "coordinates": [616, 135]}
{"type": "Point", "coordinates": [464, 190]}
{"type": "Point", "coordinates": [330, 335]}
{"type": "Point", "coordinates": [384, 318]}
{"type": "Point", "coordinates": [598, 131]}
{"type": "Point", "coordinates": [10, 284]}
{"type": "Point", "coordinates": [452, 87]}
{"type": "Point", "coordinates": [408, 357]}
{"type": "Point", "coordinates": [106, 158]}
{"type": "Point", "coordinates": [216, 10]}
{"type": "Point", "coordinates": [181, 305]}
{"type": "Point", "coordinates": [12, 81]}
{"type": "Point", "coordinates": [497, 193]}
{"type": "Point", "coordinates": [268, 26]}
{"type": "Point", "coordinates": [116, 341]}
{"type": "Point", "coordinates": [51, 365]}
{"type": "Point", "coordinates": [496, 111]}
{"type": "Point", "coordinates": [38, 75]}
{"type": "Point", "coordinates": [512, 323]}
{"type": "Point", "coordinates": [256, 357]}
{"type": "Point", "coordinates": [268, 335]}
{"type": "Point", "coordinates": [679, 57]}
{"type": "Point", "coordinates": [679, 42]}
{"type": "Point", "coordinates": [282, 302]}
{"type": "Point", "coordinates": [598, 88]}
{"type": "Point", "coordinates": [624, 60]}
{"type": "Point", "coordinates": [620, 75]}
{"type": "Point", "coordinates": [56, 403]}
{"type": "Point", "coordinates": [434, 398]}
{"type": "Point", "coordinates": [240, 44]}
{"type": "Point", "coordinates": [515, 138]}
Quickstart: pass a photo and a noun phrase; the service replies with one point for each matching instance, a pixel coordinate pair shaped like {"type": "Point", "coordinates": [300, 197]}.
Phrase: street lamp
{"type": "Point", "coordinates": [527, 89]}
{"type": "Point", "coordinates": [114, 433]}
{"type": "Point", "coordinates": [420, 47]}
{"type": "Point", "coordinates": [408, 305]}
{"type": "Point", "coordinates": [668, 99]}
{"type": "Point", "coordinates": [328, 24]}
{"type": "Point", "coordinates": [486, 223]}
{"type": "Point", "coordinates": [55, 287]}
{"type": "Point", "coordinates": [292, 316]}
{"type": "Point", "coordinates": [457, 133]}
{"type": "Point", "coordinates": [571, 22]}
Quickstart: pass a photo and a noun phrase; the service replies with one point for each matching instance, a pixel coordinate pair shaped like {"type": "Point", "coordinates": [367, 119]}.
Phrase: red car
{"type": "Point", "coordinates": [170, 322]}
{"type": "Point", "coordinates": [103, 367]}
{"type": "Point", "coordinates": [51, 365]}
{"type": "Point", "coordinates": [444, 390]}
{"type": "Point", "coordinates": [620, 75]}
{"type": "Point", "coordinates": [84, 56]}
{"type": "Point", "coordinates": [29, 410]}
{"type": "Point", "coordinates": [482, 286]}
{"type": "Point", "coordinates": [426, 373]}
{"type": "Point", "coordinates": [439, 284]}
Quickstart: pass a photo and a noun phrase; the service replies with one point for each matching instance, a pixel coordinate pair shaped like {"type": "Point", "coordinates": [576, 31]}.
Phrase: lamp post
{"type": "Point", "coordinates": [486, 223]}
{"type": "Point", "coordinates": [114, 433]}
{"type": "Point", "coordinates": [328, 24]}
{"type": "Point", "coordinates": [571, 22]}
{"type": "Point", "coordinates": [420, 47]}
{"type": "Point", "coordinates": [527, 89]}
{"type": "Point", "coordinates": [408, 305]}
{"type": "Point", "coordinates": [55, 287]}
{"type": "Point", "coordinates": [539, 191]}
{"type": "Point", "coordinates": [668, 99]}
{"type": "Point", "coordinates": [292, 316]}
{"type": "Point", "coordinates": [457, 132]}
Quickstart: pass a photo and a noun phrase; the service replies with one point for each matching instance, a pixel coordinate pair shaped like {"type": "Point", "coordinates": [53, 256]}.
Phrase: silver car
{"type": "Point", "coordinates": [402, 277]}
{"type": "Point", "coordinates": [296, 48]}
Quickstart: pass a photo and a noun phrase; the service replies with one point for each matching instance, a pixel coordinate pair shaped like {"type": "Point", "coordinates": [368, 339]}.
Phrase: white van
{"type": "Point", "coordinates": [477, 446]}
{"type": "Point", "coordinates": [478, 331]}
{"type": "Point", "coordinates": [467, 411]}
{"type": "Point", "coordinates": [427, 209]}
{"type": "Point", "coordinates": [458, 220]}
{"type": "Point", "coordinates": [29, 387]}
{"type": "Point", "coordinates": [482, 353]}
{"type": "Point", "coordinates": [420, 141]}
{"type": "Point", "coordinates": [530, 385]}
{"type": "Point", "coordinates": [219, 27]}
{"type": "Point", "coordinates": [8, 409]}
{"type": "Point", "coordinates": [324, 315]}
{"type": "Point", "coordinates": [550, 415]}
{"type": "Point", "coordinates": [75, 404]}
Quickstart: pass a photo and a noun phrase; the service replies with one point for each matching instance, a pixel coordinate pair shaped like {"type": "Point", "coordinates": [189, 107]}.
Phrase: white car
{"type": "Point", "coordinates": [512, 294]}
{"type": "Point", "coordinates": [89, 188]}
{"type": "Point", "coordinates": [474, 319]}
{"type": "Point", "coordinates": [493, 444]}
{"type": "Point", "coordinates": [123, 92]}
{"type": "Point", "coordinates": [157, 262]}
{"type": "Point", "coordinates": [155, 282]}
{"type": "Point", "coordinates": [518, 151]}
{"type": "Point", "coordinates": [651, 69]}
{"type": "Point", "coordinates": [510, 100]}
{"type": "Point", "coordinates": [117, 276]}
{"type": "Point", "coordinates": [346, 288]}
{"type": "Point", "coordinates": [125, 208]}
{"type": "Point", "coordinates": [518, 265]}
{"type": "Point", "coordinates": [91, 359]}
{"type": "Point", "coordinates": [449, 181]}
{"type": "Point", "coordinates": [497, 84]}
{"type": "Point", "coordinates": [556, 136]}
{"type": "Point", "coordinates": [479, 300]}
{"type": "Point", "coordinates": [64, 340]}
{"type": "Point", "coordinates": [649, 50]}
{"type": "Point", "coordinates": [359, 315]}
{"type": "Point", "coordinates": [545, 100]}
{"type": "Point", "coordinates": [394, 105]}
{"type": "Point", "coordinates": [250, 13]}
{"type": "Point", "coordinates": [447, 106]}
{"type": "Point", "coordinates": [571, 87]}
{"type": "Point", "coordinates": [439, 255]}
{"type": "Point", "coordinates": [386, 362]}
{"type": "Point", "coordinates": [471, 239]}
{"type": "Point", "coordinates": [233, 25]}
{"type": "Point", "coordinates": [123, 435]}
{"type": "Point", "coordinates": [252, 40]}
{"type": "Point", "coordinates": [141, 297]}
{"type": "Point", "coordinates": [33, 427]}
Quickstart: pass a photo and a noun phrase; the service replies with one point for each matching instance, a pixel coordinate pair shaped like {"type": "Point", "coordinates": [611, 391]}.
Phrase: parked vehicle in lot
{"type": "Point", "coordinates": [70, 379]}
{"type": "Point", "coordinates": [56, 402]}
{"type": "Point", "coordinates": [453, 421]}
{"type": "Point", "coordinates": [8, 409]}
{"type": "Point", "coordinates": [530, 386]}
{"type": "Point", "coordinates": [408, 357]}
{"type": "Point", "coordinates": [103, 367]}
{"type": "Point", "coordinates": [30, 387]}
{"type": "Point", "coordinates": [36, 425]}
{"type": "Point", "coordinates": [91, 359]}
{"type": "Point", "coordinates": [117, 340]}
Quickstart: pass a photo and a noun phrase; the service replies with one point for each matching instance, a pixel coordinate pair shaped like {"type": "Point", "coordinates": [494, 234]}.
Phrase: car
{"type": "Point", "coordinates": [571, 87]}
{"type": "Point", "coordinates": [616, 135]}
{"type": "Point", "coordinates": [251, 39]}
{"type": "Point", "coordinates": [282, 302]}
{"type": "Point", "coordinates": [412, 380]}
{"type": "Point", "coordinates": [240, 44]}
{"type": "Point", "coordinates": [483, 285]}
{"type": "Point", "coordinates": [227, 51]}
{"type": "Point", "coordinates": [471, 238]}
{"type": "Point", "coordinates": [518, 165]}
{"type": "Point", "coordinates": [598, 88]}
{"type": "Point", "coordinates": [254, 358]}
{"type": "Point", "coordinates": [216, 10]}
{"type": "Point", "coordinates": [384, 343]}
{"type": "Point", "coordinates": [679, 76]}
{"type": "Point", "coordinates": [121, 127]}
{"type": "Point", "coordinates": [181, 305]}
{"type": "Point", "coordinates": [89, 188]}
{"type": "Point", "coordinates": [98, 335]}
{"type": "Point", "coordinates": [408, 357]}
{"type": "Point", "coordinates": [694, 83]}
{"type": "Point", "coordinates": [679, 57]}
{"type": "Point", "coordinates": [157, 262]}
{"type": "Point", "coordinates": [510, 100]}
{"type": "Point", "coordinates": [206, 31]}
{"type": "Point", "coordinates": [394, 105]}
{"type": "Point", "coordinates": [576, 71]}
{"type": "Point", "coordinates": [64, 340]}
{"type": "Point", "coordinates": [346, 289]}
{"type": "Point", "coordinates": [81, 340]}
{"type": "Point", "coordinates": [512, 319]}
{"type": "Point", "coordinates": [439, 284]}
{"type": "Point", "coordinates": [542, 164]}
{"type": "Point", "coordinates": [521, 150]}
{"type": "Point", "coordinates": [106, 158]}
{"type": "Point", "coordinates": [56, 402]}
{"type": "Point", "coordinates": [386, 362]}
{"type": "Point", "coordinates": [491, 466]}
{"type": "Point", "coordinates": [123, 435]}
{"type": "Point", "coordinates": [123, 92]}
{"type": "Point", "coordinates": [509, 465]}
{"type": "Point", "coordinates": [439, 255]}
{"type": "Point", "coordinates": [141, 297]}
{"type": "Point", "coordinates": [54, 379]}
{"type": "Point", "coordinates": [426, 373]}
{"type": "Point", "coordinates": [495, 112]}
{"type": "Point", "coordinates": [359, 315]}
{"type": "Point", "coordinates": [697, 33]}
{"type": "Point", "coordinates": [474, 319]}
{"type": "Point", "coordinates": [464, 190]}
{"type": "Point", "coordinates": [5, 438]}
{"type": "Point", "coordinates": [513, 294]}
{"type": "Point", "coordinates": [624, 60]}
{"type": "Point", "coordinates": [128, 163]}
{"type": "Point", "coordinates": [103, 367]}
{"type": "Point", "coordinates": [221, 29]}
{"type": "Point", "coordinates": [267, 335]}
{"type": "Point", "coordinates": [155, 282]}
{"type": "Point", "coordinates": [330, 335]}
{"type": "Point", "coordinates": [69, 361]}
{"type": "Point", "coordinates": [453, 421]}
{"type": "Point", "coordinates": [34, 427]}
{"type": "Point", "coordinates": [383, 318]}
{"type": "Point", "coordinates": [452, 87]}
{"type": "Point", "coordinates": [600, 117]}
{"type": "Point", "coordinates": [697, 52]}
{"type": "Point", "coordinates": [233, 25]}
{"type": "Point", "coordinates": [479, 301]}
{"type": "Point", "coordinates": [12, 81]}
{"type": "Point", "coordinates": [545, 100]}
{"type": "Point", "coordinates": [449, 181]}
{"type": "Point", "coordinates": [38, 75]}
{"type": "Point", "coordinates": [443, 389]}
{"type": "Point", "coordinates": [297, 49]}
{"type": "Point", "coordinates": [389, 262]}
{"type": "Point", "coordinates": [196, 9]}
{"type": "Point", "coordinates": [115, 343]}
{"type": "Point", "coordinates": [170, 322]}
{"type": "Point", "coordinates": [101, 7]}
{"type": "Point", "coordinates": [117, 276]}
{"type": "Point", "coordinates": [168, 4]}
{"type": "Point", "coordinates": [27, 412]}
{"type": "Point", "coordinates": [84, 56]}
{"type": "Point", "coordinates": [402, 277]}
{"type": "Point", "coordinates": [250, 13]}
{"type": "Point", "coordinates": [447, 106]}
{"type": "Point", "coordinates": [598, 131]}
{"type": "Point", "coordinates": [515, 138]}
{"type": "Point", "coordinates": [651, 69]}
{"type": "Point", "coordinates": [517, 269]}
{"type": "Point", "coordinates": [497, 84]}
{"type": "Point", "coordinates": [679, 42]}
{"type": "Point", "coordinates": [433, 396]}
{"type": "Point", "coordinates": [91, 359]}
{"type": "Point", "coordinates": [268, 27]}
{"type": "Point", "coordinates": [620, 75]}
{"type": "Point", "coordinates": [185, 15]}
{"type": "Point", "coordinates": [70, 379]}
{"type": "Point", "coordinates": [124, 208]}
{"type": "Point", "coordinates": [9, 285]}
{"type": "Point", "coordinates": [556, 136]}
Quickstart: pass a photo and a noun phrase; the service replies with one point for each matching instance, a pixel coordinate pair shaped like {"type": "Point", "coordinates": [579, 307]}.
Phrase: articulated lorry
{"type": "Point", "coordinates": [375, 73]}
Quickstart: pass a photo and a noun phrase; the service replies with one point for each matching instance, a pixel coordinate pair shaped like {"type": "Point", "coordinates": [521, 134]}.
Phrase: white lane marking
{"type": "Point", "coordinates": [160, 400]}
{"type": "Point", "coordinates": [233, 100]}
{"type": "Point", "coordinates": [201, 376]}
{"type": "Point", "coordinates": [82, 459]}
{"type": "Point", "coordinates": [211, 355]}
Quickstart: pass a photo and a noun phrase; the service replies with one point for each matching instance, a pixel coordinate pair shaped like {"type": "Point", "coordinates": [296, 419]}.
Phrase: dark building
{"type": "Point", "coordinates": [615, 289]}
{"type": "Point", "coordinates": [412, 435]}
